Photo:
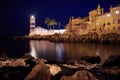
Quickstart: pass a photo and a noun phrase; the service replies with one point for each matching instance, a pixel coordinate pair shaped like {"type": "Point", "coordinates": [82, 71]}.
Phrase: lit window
{"type": "Point", "coordinates": [108, 15]}
{"type": "Point", "coordinates": [117, 12]}
{"type": "Point", "coordinates": [97, 23]}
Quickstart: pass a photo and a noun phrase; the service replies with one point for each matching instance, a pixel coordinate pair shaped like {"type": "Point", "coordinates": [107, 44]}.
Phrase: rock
{"type": "Point", "coordinates": [40, 61]}
{"type": "Point", "coordinates": [39, 72]}
{"type": "Point", "coordinates": [54, 69]}
{"type": "Point", "coordinates": [91, 59]}
{"type": "Point", "coordinates": [27, 56]}
{"type": "Point", "coordinates": [113, 60]}
{"type": "Point", "coordinates": [3, 56]}
{"type": "Point", "coordinates": [112, 73]}
{"type": "Point", "coordinates": [72, 62]}
{"type": "Point", "coordinates": [18, 62]}
{"type": "Point", "coordinates": [13, 73]}
{"type": "Point", "coordinates": [12, 63]}
{"type": "Point", "coordinates": [30, 62]}
{"type": "Point", "coordinates": [80, 75]}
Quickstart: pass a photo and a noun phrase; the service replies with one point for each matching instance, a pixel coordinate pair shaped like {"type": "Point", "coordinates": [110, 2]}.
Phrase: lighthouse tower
{"type": "Point", "coordinates": [32, 22]}
{"type": "Point", "coordinates": [32, 25]}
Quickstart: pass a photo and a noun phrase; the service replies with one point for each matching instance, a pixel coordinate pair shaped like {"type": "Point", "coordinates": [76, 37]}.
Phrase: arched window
{"type": "Point", "coordinates": [108, 23]}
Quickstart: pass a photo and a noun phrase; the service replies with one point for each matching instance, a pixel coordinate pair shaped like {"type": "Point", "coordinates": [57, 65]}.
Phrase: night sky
{"type": "Point", "coordinates": [15, 14]}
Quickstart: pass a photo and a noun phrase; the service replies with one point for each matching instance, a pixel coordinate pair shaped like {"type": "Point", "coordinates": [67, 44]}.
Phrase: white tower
{"type": "Point", "coordinates": [32, 25]}
{"type": "Point", "coordinates": [32, 22]}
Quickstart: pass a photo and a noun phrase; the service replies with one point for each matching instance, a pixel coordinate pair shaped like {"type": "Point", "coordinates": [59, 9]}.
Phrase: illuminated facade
{"type": "Point", "coordinates": [41, 31]}
{"type": "Point", "coordinates": [98, 20]}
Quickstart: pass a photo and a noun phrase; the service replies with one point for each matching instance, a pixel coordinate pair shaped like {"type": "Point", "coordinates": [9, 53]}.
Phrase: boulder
{"type": "Point", "coordinates": [14, 73]}
{"type": "Point", "coordinates": [54, 69]}
{"type": "Point", "coordinates": [80, 75]}
{"type": "Point", "coordinates": [13, 63]}
{"type": "Point", "coordinates": [91, 59]}
{"type": "Point", "coordinates": [72, 62]}
{"type": "Point", "coordinates": [112, 73]}
{"type": "Point", "coordinates": [3, 56]}
{"type": "Point", "coordinates": [39, 72]}
{"type": "Point", "coordinates": [113, 60]}
{"type": "Point", "coordinates": [27, 56]}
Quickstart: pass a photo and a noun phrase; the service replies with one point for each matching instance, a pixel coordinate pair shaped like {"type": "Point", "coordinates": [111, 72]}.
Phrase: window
{"type": "Point", "coordinates": [117, 12]}
{"type": "Point", "coordinates": [118, 21]}
{"type": "Point", "coordinates": [108, 15]}
{"type": "Point", "coordinates": [108, 23]}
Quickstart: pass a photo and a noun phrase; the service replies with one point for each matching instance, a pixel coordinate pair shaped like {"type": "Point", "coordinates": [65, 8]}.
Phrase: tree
{"type": "Point", "coordinates": [53, 23]}
{"type": "Point", "coordinates": [47, 21]}
{"type": "Point", "coordinates": [50, 22]}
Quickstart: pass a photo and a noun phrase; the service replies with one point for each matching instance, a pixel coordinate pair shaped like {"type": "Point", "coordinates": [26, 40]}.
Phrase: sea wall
{"type": "Point", "coordinates": [86, 38]}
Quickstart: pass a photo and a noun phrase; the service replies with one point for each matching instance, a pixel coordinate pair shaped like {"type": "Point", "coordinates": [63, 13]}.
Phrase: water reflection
{"type": "Point", "coordinates": [47, 50]}
{"type": "Point", "coordinates": [66, 51]}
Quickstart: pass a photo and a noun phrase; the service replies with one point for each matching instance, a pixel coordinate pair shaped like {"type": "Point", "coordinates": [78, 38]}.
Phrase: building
{"type": "Point", "coordinates": [98, 20]}
{"type": "Point", "coordinates": [41, 31]}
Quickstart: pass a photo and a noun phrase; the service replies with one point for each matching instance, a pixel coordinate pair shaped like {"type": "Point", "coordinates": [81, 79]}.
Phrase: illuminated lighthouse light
{"type": "Point", "coordinates": [32, 23]}
{"type": "Point", "coordinates": [32, 16]}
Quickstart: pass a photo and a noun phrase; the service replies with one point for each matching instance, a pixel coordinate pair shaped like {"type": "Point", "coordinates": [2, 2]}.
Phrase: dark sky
{"type": "Point", "coordinates": [15, 14]}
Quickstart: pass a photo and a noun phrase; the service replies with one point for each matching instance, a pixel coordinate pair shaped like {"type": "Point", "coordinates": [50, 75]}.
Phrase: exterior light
{"type": "Point", "coordinates": [32, 16]}
{"type": "Point", "coordinates": [108, 15]}
{"type": "Point", "coordinates": [117, 12]}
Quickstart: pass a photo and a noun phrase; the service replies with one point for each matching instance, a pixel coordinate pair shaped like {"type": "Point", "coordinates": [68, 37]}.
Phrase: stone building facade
{"type": "Point", "coordinates": [98, 20]}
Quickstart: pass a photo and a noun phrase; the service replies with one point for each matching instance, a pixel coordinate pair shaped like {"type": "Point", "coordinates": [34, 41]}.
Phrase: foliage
{"type": "Point", "coordinates": [50, 22]}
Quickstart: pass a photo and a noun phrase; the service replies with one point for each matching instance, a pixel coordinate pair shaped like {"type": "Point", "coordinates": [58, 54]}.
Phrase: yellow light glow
{"type": "Point", "coordinates": [108, 15]}
{"type": "Point", "coordinates": [117, 12]}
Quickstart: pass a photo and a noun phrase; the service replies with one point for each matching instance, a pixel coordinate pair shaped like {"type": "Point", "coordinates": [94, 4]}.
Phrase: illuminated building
{"type": "Point", "coordinates": [98, 20]}
{"type": "Point", "coordinates": [41, 31]}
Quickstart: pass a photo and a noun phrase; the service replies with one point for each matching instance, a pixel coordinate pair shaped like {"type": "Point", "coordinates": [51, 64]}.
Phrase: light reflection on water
{"type": "Point", "coordinates": [47, 50]}
{"type": "Point", "coordinates": [66, 51]}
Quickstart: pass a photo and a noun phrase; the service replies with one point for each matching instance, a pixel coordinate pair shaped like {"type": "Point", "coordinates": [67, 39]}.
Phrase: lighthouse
{"type": "Point", "coordinates": [32, 25]}
{"type": "Point", "coordinates": [32, 22]}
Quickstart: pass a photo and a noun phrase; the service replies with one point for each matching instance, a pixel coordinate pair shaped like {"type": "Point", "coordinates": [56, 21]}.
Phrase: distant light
{"type": "Point", "coordinates": [108, 15]}
{"type": "Point", "coordinates": [117, 12]}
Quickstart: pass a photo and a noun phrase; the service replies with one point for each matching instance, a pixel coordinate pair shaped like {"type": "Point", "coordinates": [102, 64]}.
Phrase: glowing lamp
{"type": "Point", "coordinates": [32, 16]}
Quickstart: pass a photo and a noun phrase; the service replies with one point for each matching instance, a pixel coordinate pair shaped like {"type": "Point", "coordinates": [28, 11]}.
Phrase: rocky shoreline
{"type": "Point", "coordinates": [87, 68]}
{"type": "Point", "coordinates": [93, 37]}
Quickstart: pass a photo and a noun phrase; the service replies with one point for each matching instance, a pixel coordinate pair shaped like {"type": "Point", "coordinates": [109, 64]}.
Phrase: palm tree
{"type": "Point", "coordinates": [53, 23]}
{"type": "Point", "coordinates": [47, 21]}
{"type": "Point", "coordinates": [50, 23]}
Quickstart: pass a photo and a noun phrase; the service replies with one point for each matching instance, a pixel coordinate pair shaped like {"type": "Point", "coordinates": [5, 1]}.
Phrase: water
{"type": "Point", "coordinates": [67, 51]}
{"type": "Point", "coordinates": [58, 51]}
